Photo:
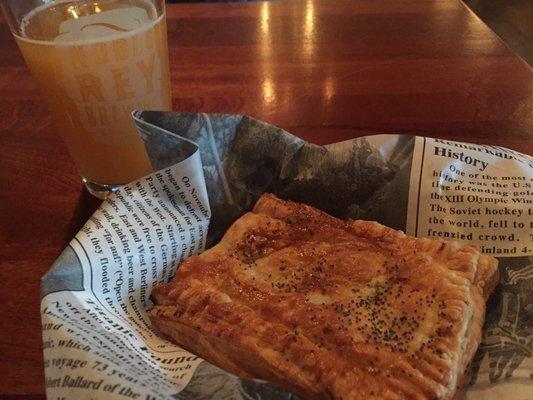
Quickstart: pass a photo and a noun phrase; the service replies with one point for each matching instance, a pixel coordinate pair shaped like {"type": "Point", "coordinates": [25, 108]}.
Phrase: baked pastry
{"type": "Point", "coordinates": [330, 309]}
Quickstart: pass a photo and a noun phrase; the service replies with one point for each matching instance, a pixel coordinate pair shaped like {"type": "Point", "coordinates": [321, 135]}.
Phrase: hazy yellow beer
{"type": "Point", "coordinates": [97, 61]}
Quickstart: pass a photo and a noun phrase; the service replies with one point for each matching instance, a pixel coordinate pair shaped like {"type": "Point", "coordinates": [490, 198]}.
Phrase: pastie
{"type": "Point", "coordinates": [330, 309]}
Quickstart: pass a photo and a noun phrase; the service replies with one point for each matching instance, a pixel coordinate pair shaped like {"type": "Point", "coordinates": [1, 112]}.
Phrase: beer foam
{"type": "Point", "coordinates": [107, 25]}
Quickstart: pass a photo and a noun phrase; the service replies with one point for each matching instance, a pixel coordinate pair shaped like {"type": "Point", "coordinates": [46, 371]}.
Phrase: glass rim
{"type": "Point", "coordinates": [27, 7]}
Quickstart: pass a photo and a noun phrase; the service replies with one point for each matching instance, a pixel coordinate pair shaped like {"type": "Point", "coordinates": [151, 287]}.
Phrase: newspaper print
{"type": "Point", "coordinates": [238, 159]}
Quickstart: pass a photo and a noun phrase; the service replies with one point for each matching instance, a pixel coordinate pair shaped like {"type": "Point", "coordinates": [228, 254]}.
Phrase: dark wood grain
{"type": "Point", "coordinates": [325, 70]}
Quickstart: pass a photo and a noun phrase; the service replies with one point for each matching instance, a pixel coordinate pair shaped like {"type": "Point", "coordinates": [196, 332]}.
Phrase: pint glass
{"type": "Point", "coordinates": [96, 61]}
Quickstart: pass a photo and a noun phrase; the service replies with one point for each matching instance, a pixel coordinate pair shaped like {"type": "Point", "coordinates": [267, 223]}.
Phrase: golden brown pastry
{"type": "Point", "coordinates": [330, 309]}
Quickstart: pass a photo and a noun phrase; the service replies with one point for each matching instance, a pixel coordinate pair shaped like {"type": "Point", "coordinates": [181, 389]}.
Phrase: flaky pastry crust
{"type": "Point", "coordinates": [330, 309]}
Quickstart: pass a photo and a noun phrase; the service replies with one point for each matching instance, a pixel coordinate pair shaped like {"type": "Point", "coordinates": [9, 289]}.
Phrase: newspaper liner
{"type": "Point", "coordinates": [98, 342]}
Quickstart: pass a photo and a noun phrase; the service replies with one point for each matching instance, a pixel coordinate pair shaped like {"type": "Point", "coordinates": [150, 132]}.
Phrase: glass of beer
{"type": "Point", "coordinates": [96, 61]}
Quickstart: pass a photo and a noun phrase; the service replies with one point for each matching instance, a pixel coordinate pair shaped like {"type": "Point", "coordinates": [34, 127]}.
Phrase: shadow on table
{"type": "Point", "coordinates": [511, 20]}
{"type": "Point", "coordinates": [85, 207]}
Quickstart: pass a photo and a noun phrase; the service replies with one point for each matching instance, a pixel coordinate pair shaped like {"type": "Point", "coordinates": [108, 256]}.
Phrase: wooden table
{"type": "Point", "coordinates": [326, 70]}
